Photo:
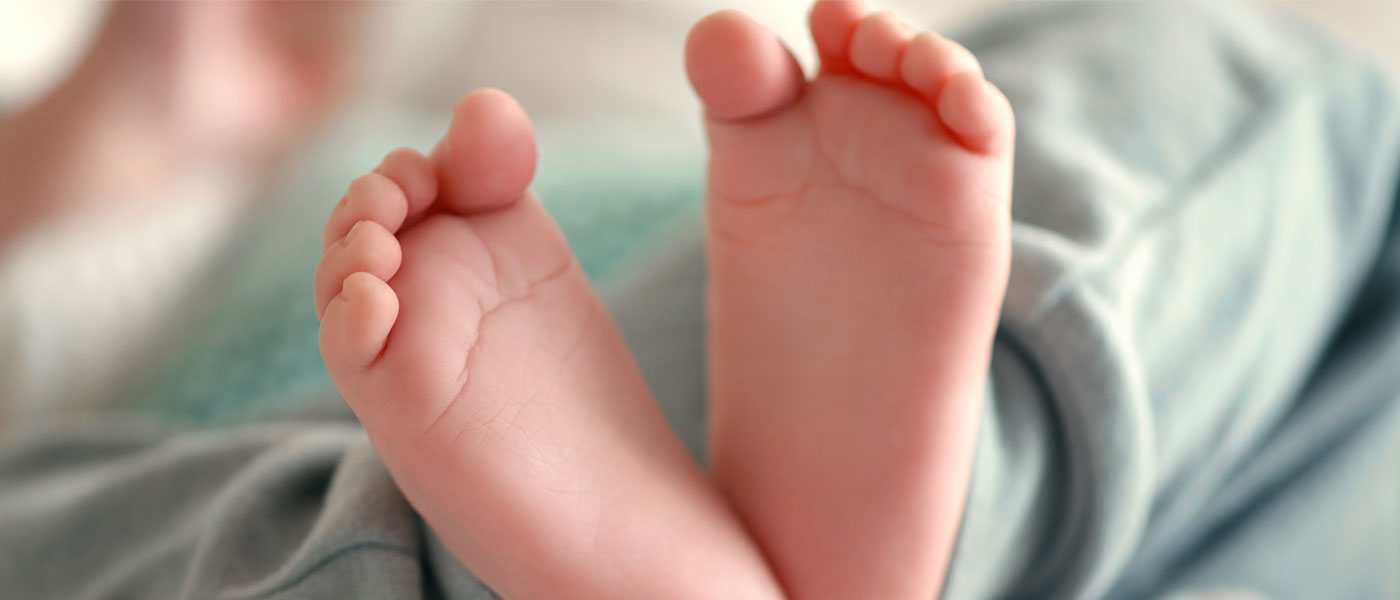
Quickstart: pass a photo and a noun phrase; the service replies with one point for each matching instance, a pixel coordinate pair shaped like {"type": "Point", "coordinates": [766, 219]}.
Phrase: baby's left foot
{"type": "Point", "coordinates": [858, 249]}
{"type": "Point", "coordinates": [498, 391]}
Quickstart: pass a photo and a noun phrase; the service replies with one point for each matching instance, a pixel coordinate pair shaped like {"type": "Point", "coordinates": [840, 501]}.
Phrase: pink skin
{"type": "Point", "coordinates": [498, 392]}
{"type": "Point", "coordinates": [858, 254]}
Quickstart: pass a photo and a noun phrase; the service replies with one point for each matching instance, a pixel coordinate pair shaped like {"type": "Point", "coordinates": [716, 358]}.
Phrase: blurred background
{"type": "Point", "coordinates": [561, 59]}
{"type": "Point", "coordinates": [164, 167]}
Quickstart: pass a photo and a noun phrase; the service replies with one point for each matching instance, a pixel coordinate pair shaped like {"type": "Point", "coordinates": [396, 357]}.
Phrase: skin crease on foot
{"type": "Point", "coordinates": [498, 392]}
{"type": "Point", "coordinates": [858, 252]}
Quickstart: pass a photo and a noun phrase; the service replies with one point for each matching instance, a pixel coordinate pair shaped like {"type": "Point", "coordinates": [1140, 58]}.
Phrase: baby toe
{"type": "Point", "coordinates": [371, 197]}
{"type": "Point", "coordinates": [356, 324]}
{"type": "Point", "coordinates": [414, 174]}
{"type": "Point", "coordinates": [833, 24]}
{"type": "Point", "coordinates": [368, 247]}
{"type": "Point", "coordinates": [977, 112]}
{"type": "Point", "coordinates": [931, 59]}
{"type": "Point", "coordinates": [877, 45]}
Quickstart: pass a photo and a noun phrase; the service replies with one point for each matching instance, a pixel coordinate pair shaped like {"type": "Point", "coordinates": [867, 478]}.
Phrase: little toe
{"type": "Point", "coordinates": [371, 197]}
{"type": "Point", "coordinates": [369, 247]}
{"type": "Point", "coordinates": [878, 45]}
{"type": "Point", "coordinates": [356, 324]}
{"type": "Point", "coordinates": [739, 68]}
{"type": "Point", "coordinates": [487, 158]}
{"type": "Point", "coordinates": [931, 59]}
{"type": "Point", "coordinates": [977, 112]}
{"type": "Point", "coordinates": [833, 24]}
{"type": "Point", "coordinates": [415, 176]}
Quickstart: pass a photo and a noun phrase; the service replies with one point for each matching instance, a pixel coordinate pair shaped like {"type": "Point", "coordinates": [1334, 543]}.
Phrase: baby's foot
{"type": "Point", "coordinates": [497, 390]}
{"type": "Point", "coordinates": [858, 253]}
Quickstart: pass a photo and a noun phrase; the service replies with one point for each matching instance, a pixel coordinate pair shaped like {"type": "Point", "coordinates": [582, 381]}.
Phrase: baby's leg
{"type": "Point", "coordinates": [497, 390]}
{"type": "Point", "coordinates": [858, 249]}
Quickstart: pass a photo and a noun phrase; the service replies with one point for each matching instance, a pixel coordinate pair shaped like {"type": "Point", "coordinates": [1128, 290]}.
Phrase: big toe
{"type": "Point", "coordinates": [487, 158]}
{"type": "Point", "coordinates": [739, 68]}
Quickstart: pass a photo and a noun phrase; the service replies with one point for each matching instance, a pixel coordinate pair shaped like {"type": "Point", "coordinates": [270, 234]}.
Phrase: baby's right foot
{"type": "Point", "coordinates": [858, 249]}
{"type": "Point", "coordinates": [498, 391]}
